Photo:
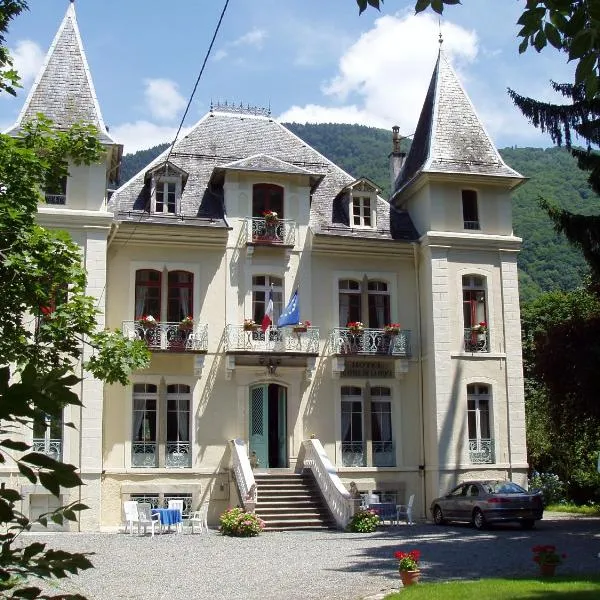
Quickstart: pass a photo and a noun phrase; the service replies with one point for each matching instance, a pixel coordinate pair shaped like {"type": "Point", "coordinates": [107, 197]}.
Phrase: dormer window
{"type": "Point", "coordinates": [362, 211]}
{"type": "Point", "coordinates": [166, 186]}
{"type": "Point", "coordinates": [56, 194]}
{"type": "Point", "coordinates": [469, 207]}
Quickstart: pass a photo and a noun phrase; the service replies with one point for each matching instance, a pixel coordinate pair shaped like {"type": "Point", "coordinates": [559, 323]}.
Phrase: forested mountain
{"type": "Point", "coordinates": [547, 261]}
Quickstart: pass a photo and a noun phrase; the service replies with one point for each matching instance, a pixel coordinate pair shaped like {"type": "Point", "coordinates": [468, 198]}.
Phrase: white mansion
{"type": "Point", "coordinates": [407, 378]}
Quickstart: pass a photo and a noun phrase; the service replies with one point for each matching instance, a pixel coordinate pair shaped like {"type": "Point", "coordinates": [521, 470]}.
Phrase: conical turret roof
{"type": "Point", "coordinates": [449, 137]}
{"type": "Point", "coordinates": [64, 90]}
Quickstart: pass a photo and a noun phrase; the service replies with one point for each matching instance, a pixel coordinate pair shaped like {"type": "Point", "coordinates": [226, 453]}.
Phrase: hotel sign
{"type": "Point", "coordinates": [371, 369]}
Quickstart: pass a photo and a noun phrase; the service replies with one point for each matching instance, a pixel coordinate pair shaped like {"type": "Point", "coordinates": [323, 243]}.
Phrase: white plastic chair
{"type": "Point", "coordinates": [130, 515]}
{"type": "Point", "coordinates": [147, 519]}
{"type": "Point", "coordinates": [177, 505]}
{"type": "Point", "coordinates": [199, 518]}
{"type": "Point", "coordinates": [405, 511]}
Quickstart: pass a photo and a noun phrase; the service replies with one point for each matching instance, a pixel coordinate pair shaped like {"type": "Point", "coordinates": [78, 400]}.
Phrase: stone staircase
{"type": "Point", "coordinates": [289, 501]}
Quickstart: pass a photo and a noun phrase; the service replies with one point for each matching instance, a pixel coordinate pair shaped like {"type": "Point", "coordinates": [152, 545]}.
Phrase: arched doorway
{"type": "Point", "coordinates": [268, 425]}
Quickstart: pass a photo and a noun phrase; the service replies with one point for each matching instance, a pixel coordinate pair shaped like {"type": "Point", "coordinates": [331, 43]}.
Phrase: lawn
{"type": "Point", "coordinates": [557, 588]}
{"type": "Point", "coordinates": [590, 511]}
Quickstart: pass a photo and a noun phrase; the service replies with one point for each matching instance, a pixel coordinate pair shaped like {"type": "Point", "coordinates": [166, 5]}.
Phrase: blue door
{"type": "Point", "coordinates": [268, 425]}
{"type": "Point", "coordinates": [258, 424]}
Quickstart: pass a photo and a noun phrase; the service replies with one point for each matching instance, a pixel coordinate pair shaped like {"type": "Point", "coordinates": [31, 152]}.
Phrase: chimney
{"type": "Point", "coordinates": [397, 157]}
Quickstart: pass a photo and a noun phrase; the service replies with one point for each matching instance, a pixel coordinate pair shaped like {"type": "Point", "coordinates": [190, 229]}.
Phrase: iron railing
{"type": "Point", "coordinates": [285, 339]}
{"type": "Point", "coordinates": [471, 224]}
{"type": "Point", "coordinates": [262, 231]}
{"type": "Point", "coordinates": [56, 199]}
{"type": "Point", "coordinates": [143, 454]}
{"type": "Point", "coordinates": [49, 447]}
{"type": "Point", "coordinates": [353, 454]}
{"type": "Point", "coordinates": [481, 451]}
{"type": "Point", "coordinates": [383, 454]}
{"type": "Point", "coordinates": [477, 342]}
{"type": "Point", "coordinates": [370, 342]}
{"type": "Point", "coordinates": [168, 336]}
{"type": "Point", "coordinates": [178, 455]}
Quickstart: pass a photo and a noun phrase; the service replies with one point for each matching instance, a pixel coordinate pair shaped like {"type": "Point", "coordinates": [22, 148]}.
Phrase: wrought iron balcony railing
{"type": "Point", "coordinates": [56, 199]}
{"type": "Point", "coordinates": [285, 339]}
{"type": "Point", "coordinates": [169, 337]}
{"type": "Point", "coordinates": [262, 231]}
{"type": "Point", "coordinates": [383, 454]}
{"type": "Point", "coordinates": [481, 451]}
{"type": "Point", "coordinates": [370, 342]}
{"type": "Point", "coordinates": [477, 342]}
{"type": "Point", "coordinates": [49, 447]}
{"type": "Point", "coordinates": [143, 454]}
{"type": "Point", "coordinates": [353, 454]}
{"type": "Point", "coordinates": [178, 455]}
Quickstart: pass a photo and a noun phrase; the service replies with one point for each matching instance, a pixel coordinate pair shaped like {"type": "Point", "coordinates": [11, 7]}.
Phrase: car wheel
{"type": "Point", "coordinates": [478, 519]}
{"type": "Point", "coordinates": [527, 523]}
{"type": "Point", "coordinates": [438, 515]}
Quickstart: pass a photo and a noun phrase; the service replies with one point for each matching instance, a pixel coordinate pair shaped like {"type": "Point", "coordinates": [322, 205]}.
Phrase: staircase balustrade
{"type": "Point", "coordinates": [244, 476]}
{"type": "Point", "coordinates": [337, 497]}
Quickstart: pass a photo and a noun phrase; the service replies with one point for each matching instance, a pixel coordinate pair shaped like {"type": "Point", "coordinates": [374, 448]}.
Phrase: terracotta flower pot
{"type": "Point", "coordinates": [547, 570]}
{"type": "Point", "coordinates": [410, 577]}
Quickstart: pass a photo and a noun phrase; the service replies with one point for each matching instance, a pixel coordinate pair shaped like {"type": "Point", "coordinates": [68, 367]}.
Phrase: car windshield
{"type": "Point", "coordinates": [503, 487]}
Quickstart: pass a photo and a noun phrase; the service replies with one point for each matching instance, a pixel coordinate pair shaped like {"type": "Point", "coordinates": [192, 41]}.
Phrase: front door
{"type": "Point", "coordinates": [268, 425]}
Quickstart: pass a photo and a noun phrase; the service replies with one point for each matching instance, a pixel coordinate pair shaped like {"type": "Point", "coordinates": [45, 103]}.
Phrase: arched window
{"type": "Point", "coordinates": [267, 197]}
{"type": "Point", "coordinates": [147, 293]}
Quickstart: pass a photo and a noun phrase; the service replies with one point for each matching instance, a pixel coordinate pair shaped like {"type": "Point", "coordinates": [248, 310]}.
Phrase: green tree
{"type": "Point", "coordinates": [45, 321]}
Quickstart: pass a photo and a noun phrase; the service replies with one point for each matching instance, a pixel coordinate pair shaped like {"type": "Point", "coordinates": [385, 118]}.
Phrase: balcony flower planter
{"type": "Point", "coordinates": [300, 329]}
{"type": "Point", "coordinates": [250, 325]}
{"type": "Point", "coordinates": [148, 322]}
{"type": "Point", "coordinates": [186, 324]}
{"type": "Point", "coordinates": [389, 330]}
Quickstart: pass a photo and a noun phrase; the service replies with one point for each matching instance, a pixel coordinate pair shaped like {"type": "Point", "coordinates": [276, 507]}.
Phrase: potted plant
{"type": "Point", "coordinates": [364, 521]}
{"type": "Point", "coordinates": [355, 326]}
{"type": "Point", "coordinates": [271, 217]}
{"type": "Point", "coordinates": [408, 566]}
{"type": "Point", "coordinates": [547, 558]}
{"type": "Point", "coordinates": [301, 327]}
{"type": "Point", "coordinates": [147, 321]}
{"type": "Point", "coordinates": [392, 328]}
{"type": "Point", "coordinates": [481, 327]}
{"type": "Point", "coordinates": [186, 323]}
{"type": "Point", "coordinates": [249, 325]}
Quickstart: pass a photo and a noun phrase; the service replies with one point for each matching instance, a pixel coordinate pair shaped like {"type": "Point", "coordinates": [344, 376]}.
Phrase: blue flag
{"type": "Point", "coordinates": [291, 314]}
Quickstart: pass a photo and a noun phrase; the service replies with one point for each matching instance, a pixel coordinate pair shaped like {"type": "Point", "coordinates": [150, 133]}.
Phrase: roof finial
{"type": "Point", "coordinates": [440, 38]}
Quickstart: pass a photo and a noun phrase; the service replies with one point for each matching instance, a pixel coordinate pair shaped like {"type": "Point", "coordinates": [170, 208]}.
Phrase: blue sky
{"type": "Point", "coordinates": [309, 60]}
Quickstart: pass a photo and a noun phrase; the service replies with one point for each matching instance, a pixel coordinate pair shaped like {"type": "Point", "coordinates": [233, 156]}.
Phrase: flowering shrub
{"type": "Point", "coordinates": [408, 561]}
{"type": "Point", "coordinates": [552, 488]}
{"type": "Point", "coordinates": [271, 216]}
{"type": "Point", "coordinates": [187, 322]}
{"type": "Point", "coordinates": [481, 327]}
{"type": "Point", "coordinates": [238, 523]}
{"type": "Point", "coordinates": [364, 521]}
{"type": "Point", "coordinates": [355, 326]}
{"type": "Point", "coordinates": [148, 320]}
{"type": "Point", "coordinates": [547, 555]}
{"type": "Point", "coordinates": [392, 328]}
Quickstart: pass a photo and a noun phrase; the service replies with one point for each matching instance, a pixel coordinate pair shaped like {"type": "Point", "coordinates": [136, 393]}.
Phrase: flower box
{"type": "Point", "coordinates": [300, 329]}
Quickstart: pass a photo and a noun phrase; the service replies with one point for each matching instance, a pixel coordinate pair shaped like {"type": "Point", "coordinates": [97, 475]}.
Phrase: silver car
{"type": "Point", "coordinates": [487, 502]}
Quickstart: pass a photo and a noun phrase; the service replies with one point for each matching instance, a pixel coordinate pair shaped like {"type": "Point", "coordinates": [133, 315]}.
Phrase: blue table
{"type": "Point", "coordinates": [168, 516]}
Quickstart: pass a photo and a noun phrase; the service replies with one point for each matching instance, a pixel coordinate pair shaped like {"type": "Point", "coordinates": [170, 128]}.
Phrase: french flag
{"type": "Point", "coordinates": [268, 318]}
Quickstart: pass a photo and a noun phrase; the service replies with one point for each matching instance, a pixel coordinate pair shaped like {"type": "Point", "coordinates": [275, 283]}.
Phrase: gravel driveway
{"type": "Point", "coordinates": [312, 565]}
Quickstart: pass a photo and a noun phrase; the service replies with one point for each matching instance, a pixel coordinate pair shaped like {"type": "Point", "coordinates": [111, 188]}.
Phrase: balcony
{"type": "Point", "coordinates": [477, 342]}
{"type": "Point", "coordinates": [168, 337]}
{"type": "Point", "coordinates": [370, 342]}
{"type": "Point", "coordinates": [284, 340]}
{"type": "Point", "coordinates": [481, 451]}
{"type": "Point", "coordinates": [259, 231]}
{"type": "Point", "coordinates": [49, 447]}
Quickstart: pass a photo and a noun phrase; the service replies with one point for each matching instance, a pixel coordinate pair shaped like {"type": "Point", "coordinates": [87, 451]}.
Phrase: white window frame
{"type": "Point", "coordinates": [163, 181]}
{"type": "Point", "coordinates": [353, 398]}
{"type": "Point", "coordinates": [278, 295]}
{"type": "Point", "coordinates": [359, 201]}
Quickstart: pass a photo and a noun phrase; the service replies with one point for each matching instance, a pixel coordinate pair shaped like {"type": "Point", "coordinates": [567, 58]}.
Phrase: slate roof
{"type": "Point", "coordinates": [222, 140]}
{"type": "Point", "coordinates": [63, 90]}
{"type": "Point", "coordinates": [449, 137]}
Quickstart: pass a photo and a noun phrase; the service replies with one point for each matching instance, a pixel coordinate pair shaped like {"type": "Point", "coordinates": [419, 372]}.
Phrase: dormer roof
{"type": "Point", "coordinates": [64, 90]}
{"type": "Point", "coordinates": [449, 137]}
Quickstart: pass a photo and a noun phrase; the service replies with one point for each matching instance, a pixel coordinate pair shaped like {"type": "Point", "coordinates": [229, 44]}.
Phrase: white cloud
{"type": "Point", "coordinates": [28, 59]}
{"type": "Point", "coordinates": [142, 135]}
{"type": "Point", "coordinates": [163, 99]}
{"type": "Point", "coordinates": [383, 77]}
{"type": "Point", "coordinates": [255, 37]}
{"type": "Point", "coordinates": [220, 54]}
